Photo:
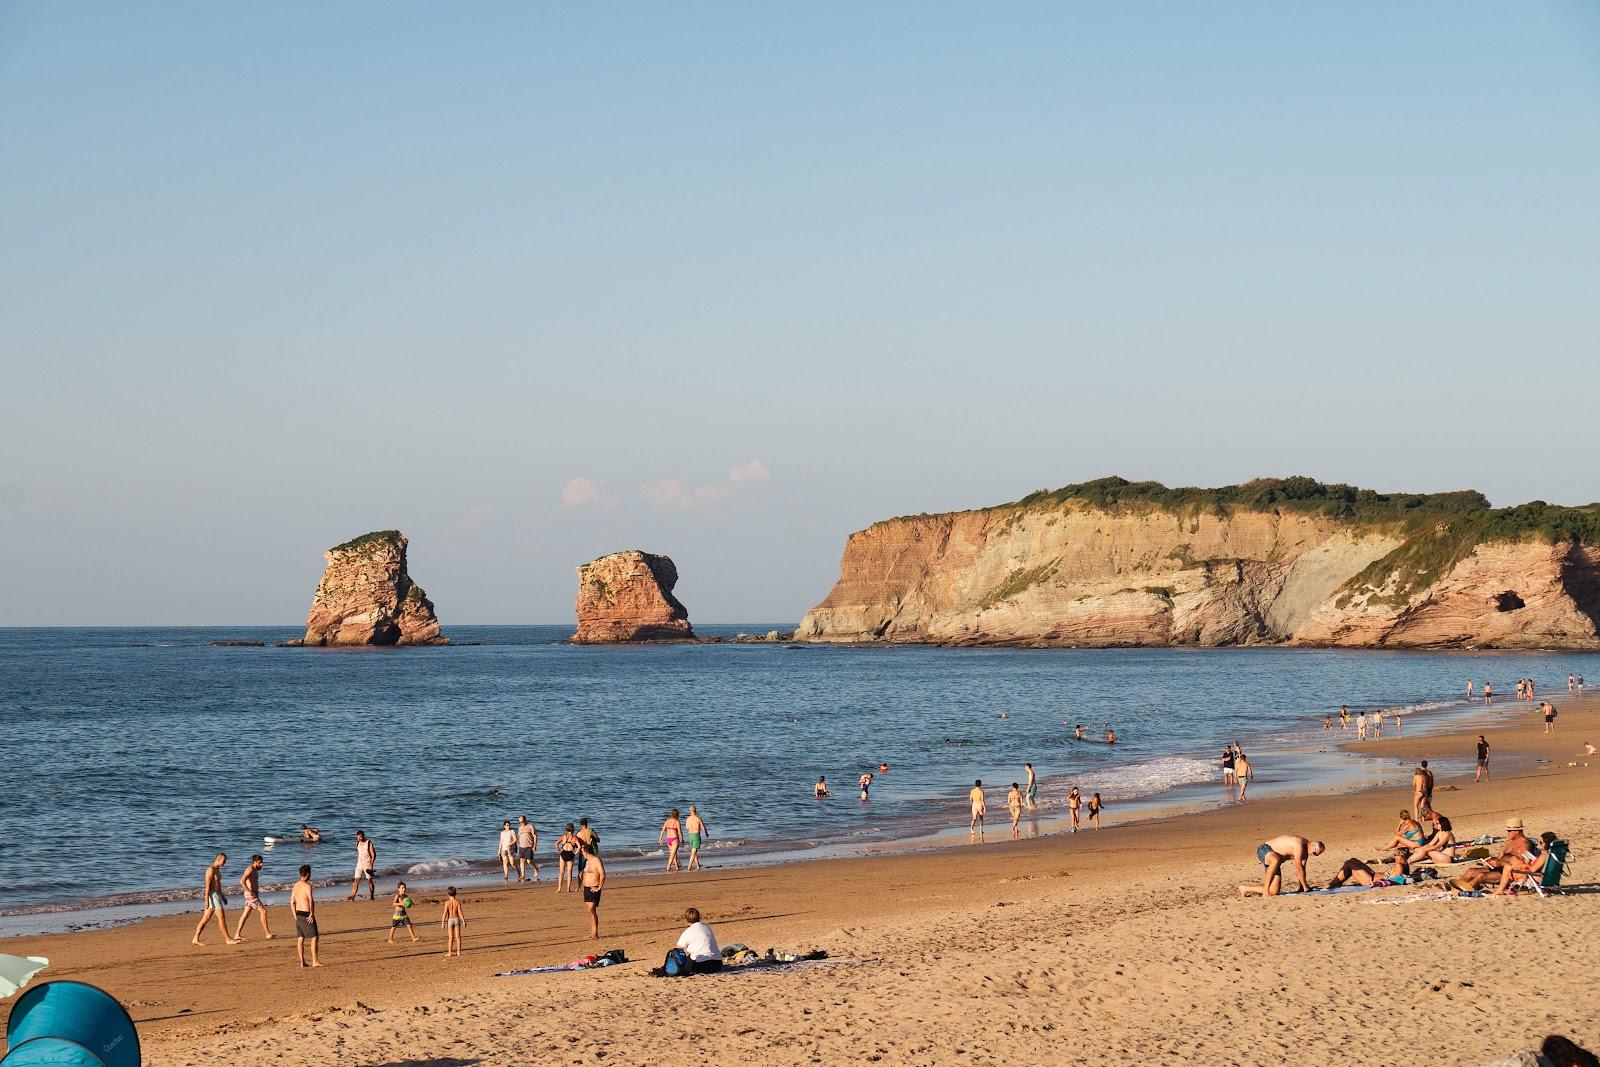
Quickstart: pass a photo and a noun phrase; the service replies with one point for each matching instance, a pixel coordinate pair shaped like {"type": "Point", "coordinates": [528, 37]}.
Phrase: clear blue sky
{"type": "Point", "coordinates": [533, 282]}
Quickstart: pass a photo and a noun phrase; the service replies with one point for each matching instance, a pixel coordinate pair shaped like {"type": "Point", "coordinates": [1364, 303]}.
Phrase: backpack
{"type": "Point", "coordinates": [677, 964]}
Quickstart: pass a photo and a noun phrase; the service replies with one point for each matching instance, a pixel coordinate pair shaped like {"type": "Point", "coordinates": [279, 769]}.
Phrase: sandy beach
{"type": "Point", "coordinates": [1112, 947]}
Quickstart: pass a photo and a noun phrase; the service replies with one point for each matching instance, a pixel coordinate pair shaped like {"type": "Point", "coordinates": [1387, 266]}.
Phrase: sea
{"type": "Point", "coordinates": [129, 756]}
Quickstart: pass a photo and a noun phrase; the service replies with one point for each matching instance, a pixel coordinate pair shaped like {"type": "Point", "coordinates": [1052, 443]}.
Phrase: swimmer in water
{"type": "Point", "coordinates": [866, 785]}
{"type": "Point", "coordinates": [1077, 732]}
{"type": "Point", "coordinates": [1111, 736]}
{"type": "Point", "coordinates": [310, 833]}
{"type": "Point", "coordinates": [883, 768]}
{"type": "Point", "coordinates": [822, 787]}
{"type": "Point", "coordinates": [1002, 715]}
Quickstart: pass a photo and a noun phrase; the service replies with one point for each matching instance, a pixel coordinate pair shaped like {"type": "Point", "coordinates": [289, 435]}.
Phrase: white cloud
{"type": "Point", "coordinates": [582, 492]}
{"type": "Point", "coordinates": [676, 493]}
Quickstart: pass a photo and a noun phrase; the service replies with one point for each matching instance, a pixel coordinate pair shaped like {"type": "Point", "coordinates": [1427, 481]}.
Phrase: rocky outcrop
{"type": "Point", "coordinates": [367, 598]}
{"type": "Point", "coordinates": [627, 596]}
{"type": "Point", "coordinates": [1068, 571]}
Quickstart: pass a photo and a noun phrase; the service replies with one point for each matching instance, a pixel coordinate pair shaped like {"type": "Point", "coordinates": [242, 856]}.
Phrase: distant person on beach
{"type": "Point", "coordinates": [1571, 683]}
{"type": "Point", "coordinates": [1361, 727]}
{"type": "Point", "coordinates": [1469, 688]}
{"type": "Point", "coordinates": [1397, 721]}
{"type": "Point", "coordinates": [1483, 761]}
{"type": "Point", "coordinates": [1095, 804]}
{"type": "Point", "coordinates": [700, 944]}
{"type": "Point", "coordinates": [310, 834]}
{"type": "Point", "coordinates": [1014, 806]}
{"type": "Point", "coordinates": [1580, 685]}
{"type": "Point", "coordinates": [695, 833]}
{"type": "Point", "coordinates": [1077, 732]}
{"type": "Point", "coordinates": [1488, 694]}
{"type": "Point", "coordinates": [1589, 750]}
{"type": "Point", "coordinates": [1031, 793]}
{"type": "Point", "coordinates": [400, 919]}
{"type": "Point", "coordinates": [1074, 801]}
{"type": "Point", "coordinates": [1242, 771]}
{"type": "Point", "coordinates": [250, 886]}
{"type": "Point", "coordinates": [1549, 717]}
{"type": "Point", "coordinates": [821, 789]}
{"type": "Point", "coordinates": [671, 832]}
{"type": "Point", "coordinates": [866, 785]}
{"type": "Point", "coordinates": [1421, 789]}
{"type": "Point", "coordinates": [567, 848]}
{"type": "Point", "coordinates": [213, 902]}
{"type": "Point", "coordinates": [1344, 716]}
{"type": "Point", "coordinates": [1327, 722]}
{"type": "Point", "coordinates": [527, 846]}
{"type": "Point", "coordinates": [453, 921]}
{"type": "Point", "coordinates": [1272, 854]}
{"type": "Point", "coordinates": [303, 902]}
{"type": "Point", "coordinates": [594, 883]}
{"type": "Point", "coordinates": [1377, 724]}
{"type": "Point", "coordinates": [979, 807]}
{"type": "Point", "coordinates": [1228, 770]}
{"type": "Point", "coordinates": [590, 842]}
{"type": "Point", "coordinates": [508, 849]}
{"type": "Point", "coordinates": [366, 862]}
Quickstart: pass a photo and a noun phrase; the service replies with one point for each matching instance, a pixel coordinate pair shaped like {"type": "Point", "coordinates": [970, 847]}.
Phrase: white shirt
{"type": "Point", "coordinates": [700, 943]}
{"type": "Point", "coordinates": [508, 840]}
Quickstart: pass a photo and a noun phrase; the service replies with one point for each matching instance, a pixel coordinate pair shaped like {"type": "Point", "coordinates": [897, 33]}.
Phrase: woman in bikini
{"type": "Point", "coordinates": [671, 832]}
{"type": "Point", "coordinates": [567, 846]}
{"type": "Point", "coordinates": [1095, 804]}
{"type": "Point", "coordinates": [1074, 801]}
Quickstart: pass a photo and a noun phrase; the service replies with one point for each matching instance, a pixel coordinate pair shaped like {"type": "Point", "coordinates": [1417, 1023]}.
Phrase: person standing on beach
{"type": "Point", "coordinates": [1242, 771]}
{"type": "Point", "coordinates": [1327, 722]}
{"type": "Point", "coordinates": [594, 883]}
{"type": "Point", "coordinates": [1571, 681]}
{"type": "Point", "coordinates": [1031, 795]}
{"type": "Point", "coordinates": [586, 839]}
{"type": "Point", "coordinates": [671, 833]}
{"type": "Point", "coordinates": [1095, 804]}
{"type": "Point", "coordinates": [366, 863]}
{"type": "Point", "coordinates": [695, 833]}
{"type": "Point", "coordinates": [453, 921]}
{"type": "Point", "coordinates": [508, 850]}
{"type": "Point", "coordinates": [1361, 727]}
{"type": "Point", "coordinates": [250, 885]}
{"type": "Point", "coordinates": [1377, 724]}
{"type": "Point", "coordinates": [1469, 688]}
{"type": "Point", "coordinates": [1397, 721]}
{"type": "Point", "coordinates": [1549, 717]}
{"type": "Point", "coordinates": [1483, 760]}
{"type": "Point", "coordinates": [1344, 716]}
{"type": "Point", "coordinates": [979, 807]}
{"type": "Point", "coordinates": [567, 848]}
{"type": "Point", "coordinates": [527, 845]}
{"type": "Point", "coordinates": [213, 901]}
{"type": "Point", "coordinates": [1014, 805]}
{"type": "Point", "coordinates": [303, 902]}
{"type": "Point", "coordinates": [866, 785]}
{"type": "Point", "coordinates": [1227, 765]}
{"type": "Point", "coordinates": [1488, 694]}
{"type": "Point", "coordinates": [1074, 801]}
{"type": "Point", "coordinates": [401, 918]}
{"type": "Point", "coordinates": [1421, 789]}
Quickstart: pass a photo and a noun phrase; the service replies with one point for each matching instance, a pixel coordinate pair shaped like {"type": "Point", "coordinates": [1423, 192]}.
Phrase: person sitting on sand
{"type": "Point", "coordinates": [1516, 848]}
{"type": "Point", "coordinates": [1440, 847]}
{"type": "Point", "coordinates": [1589, 750]}
{"type": "Point", "coordinates": [700, 944]}
{"type": "Point", "coordinates": [1407, 836]}
{"type": "Point", "coordinates": [1273, 854]}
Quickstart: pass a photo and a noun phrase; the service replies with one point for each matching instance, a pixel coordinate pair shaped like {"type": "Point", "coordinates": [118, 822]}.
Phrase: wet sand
{"type": "Point", "coordinates": [1106, 947]}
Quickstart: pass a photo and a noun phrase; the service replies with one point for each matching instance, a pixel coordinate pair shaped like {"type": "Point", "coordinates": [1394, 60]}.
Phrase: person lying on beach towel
{"type": "Point", "coordinates": [1357, 872]}
{"type": "Point", "coordinates": [1272, 854]}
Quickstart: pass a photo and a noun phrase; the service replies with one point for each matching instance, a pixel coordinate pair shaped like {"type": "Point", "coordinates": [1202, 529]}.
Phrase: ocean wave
{"type": "Point", "coordinates": [1143, 779]}
{"type": "Point", "coordinates": [434, 867]}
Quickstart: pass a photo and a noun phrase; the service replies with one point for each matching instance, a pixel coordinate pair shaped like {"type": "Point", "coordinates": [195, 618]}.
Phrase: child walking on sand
{"type": "Point", "coordinates": [401, 917]}
{"type": "Point", "coordinates": [453, 921]}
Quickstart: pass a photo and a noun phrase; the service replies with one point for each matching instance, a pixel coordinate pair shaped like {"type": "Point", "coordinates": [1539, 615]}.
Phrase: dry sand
{"type": "Point", "coordinates": [1123, 946]}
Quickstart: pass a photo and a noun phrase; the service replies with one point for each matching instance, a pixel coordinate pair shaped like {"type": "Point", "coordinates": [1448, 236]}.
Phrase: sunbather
{"type": "Point", "coordinates": [1441, 847]}
{"type": "Point", "coordinates": [1517, 849]}
{"type": "Point", "coordinates": [1534, 865]}
{"type": "Point", "coordinates": [1357, 872]}
{"type": "Point", "coordinates": [1407, 836]}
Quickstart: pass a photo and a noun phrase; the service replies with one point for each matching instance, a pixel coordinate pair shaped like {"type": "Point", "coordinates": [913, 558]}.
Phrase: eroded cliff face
{"type": "Point", "coordinates": [1072, 574]}
{"type": "Point", "coordinates": [367, 598]}
{"type": "Point", "coordinates": [627, 596]}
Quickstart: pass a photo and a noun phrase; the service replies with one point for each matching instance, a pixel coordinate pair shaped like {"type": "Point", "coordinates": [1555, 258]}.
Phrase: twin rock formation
{"type": "Point", "coordinates": [366, 597]}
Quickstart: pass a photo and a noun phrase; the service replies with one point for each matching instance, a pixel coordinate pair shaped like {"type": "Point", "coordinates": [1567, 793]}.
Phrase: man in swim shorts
{"type": "Point", "coordinates": [1272, 854]}
{"type": "Point", "coordinates": [978, 807]}
{"type": "Point", "coordinates": [594, 883]}
{"type": "Point", "coordinates": [250, 883]}
{"type": "Point", "coordinates": [303, 902]}
{"type": "Point", "coordinates": [527, 845]}
{"type": "Point", "coordinates": [213, 901]}
{"type": "Point", "coordinates": [695, 832]}
{"type": "Point", "coordinates": [1032, 793]}
{"type": "Point", "coordinates": [366, 863]}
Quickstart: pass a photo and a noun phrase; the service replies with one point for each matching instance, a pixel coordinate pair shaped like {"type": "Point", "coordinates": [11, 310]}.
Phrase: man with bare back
{"type": "Point", "coordinates": [1273, 853]}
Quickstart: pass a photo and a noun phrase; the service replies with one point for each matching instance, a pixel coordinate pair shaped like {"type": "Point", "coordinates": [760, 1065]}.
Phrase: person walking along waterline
{"type": "Point", "coordinates": [250, 885]}
{"type": "Point", "coordinates": [1074, 802]}
{"type": "Point", "coordinates": [1014, 806]}
{"type": "Point", "coordinates": [979, 807]}
{"type": "Point", "coordinates": [695, 833]}
{"type": "Point", "coordinates": [1031, 792]}
{"type": "Point", "coordinates": [527, 846]}
{"type": "Point", "coordinates": [213, 902]}
{"type": "Point", "coordinates": [366, 863]}
{"type": "Point", "coordinates": [1483, 760]}
{"type": "Point", "coordinates": [508, 850]}
{"type": "Point", "coordinates": [671, 833]}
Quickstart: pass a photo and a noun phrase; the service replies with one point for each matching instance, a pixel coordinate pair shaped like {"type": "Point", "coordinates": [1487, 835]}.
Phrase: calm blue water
{"type": "Point", "coordinates": [129, 755]}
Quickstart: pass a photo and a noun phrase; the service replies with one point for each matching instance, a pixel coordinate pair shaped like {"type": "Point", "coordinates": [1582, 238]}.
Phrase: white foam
{"type": "Point", "coordinates": [422, 870]}
{"type": "Point", "coordinates": [1145, 779]}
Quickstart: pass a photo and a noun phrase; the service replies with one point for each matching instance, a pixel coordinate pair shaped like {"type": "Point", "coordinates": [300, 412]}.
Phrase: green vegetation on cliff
{"type": "Point", "coordinates": [1296, 493]}
{"type": "Point", "coordinates": [375, 537]}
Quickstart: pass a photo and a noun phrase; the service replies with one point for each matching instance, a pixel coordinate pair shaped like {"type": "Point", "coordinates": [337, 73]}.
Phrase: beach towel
{"type": "Point", "coordinates": [583, 963]}
{"type": "Point", "coordinates": [16, 970]}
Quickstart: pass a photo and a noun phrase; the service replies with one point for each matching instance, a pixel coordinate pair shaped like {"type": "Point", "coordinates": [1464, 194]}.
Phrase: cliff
{"type": "Point", "coordinates": [367, 598]}
{"type": "Point", "coordinates": [1288, 561]}
{"type": "Point", "coordinates": [627, 596]}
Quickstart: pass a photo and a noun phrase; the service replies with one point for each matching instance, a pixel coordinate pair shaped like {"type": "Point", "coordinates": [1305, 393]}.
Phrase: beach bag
{"type": "Point", "coordinates": [676, 964]}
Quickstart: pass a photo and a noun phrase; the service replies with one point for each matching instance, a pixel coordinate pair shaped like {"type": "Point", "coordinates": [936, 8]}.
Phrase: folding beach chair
{"type": "Point", "coordinates": [1549, 879]}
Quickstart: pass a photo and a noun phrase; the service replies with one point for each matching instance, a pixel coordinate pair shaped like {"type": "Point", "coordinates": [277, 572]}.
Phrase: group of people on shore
{"type": "Point", "coordinates": [1022, 797]}
{"type": "Point", "coordinates": [1366, 724]}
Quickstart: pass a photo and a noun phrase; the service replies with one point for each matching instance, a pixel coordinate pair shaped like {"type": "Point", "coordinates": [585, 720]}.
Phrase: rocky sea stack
{"type": "Point", "coordinates": [367, 598]}
{"type": "Point", "coordinates": [1273, 561]}
{"type": "Point", "coordinates": [627, 596]}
